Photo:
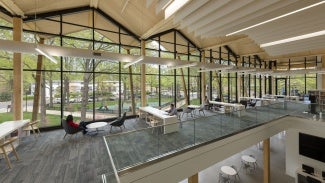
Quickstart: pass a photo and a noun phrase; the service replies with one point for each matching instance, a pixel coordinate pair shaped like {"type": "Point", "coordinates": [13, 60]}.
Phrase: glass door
{"type": "Point", "coordinates": [281, 86]}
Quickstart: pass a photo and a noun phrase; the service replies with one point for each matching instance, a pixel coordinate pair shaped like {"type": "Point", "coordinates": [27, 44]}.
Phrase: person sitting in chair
{"type": "Point", "coordinates": [172, 111]}
{"type": "Point", "coordinates": [82, 125]}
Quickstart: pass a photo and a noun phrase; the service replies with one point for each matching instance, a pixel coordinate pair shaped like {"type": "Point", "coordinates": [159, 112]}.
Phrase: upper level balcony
{"type": "Point", "coordinates": [133, 152]}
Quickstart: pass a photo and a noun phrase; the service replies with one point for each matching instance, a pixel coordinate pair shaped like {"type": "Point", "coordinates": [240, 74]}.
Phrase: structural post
{"type": "Point", "coordinates": [266, 160]}
{"type": "Point", "coordinates": [194, 178]}
{"type": "Point", "coordinates": [184, 85]}
{"type": "Point", "coordinates": [323, 75]}
{"type": "Point", "coordinates": [203, 81]}
{"type": "Point", "coordinates": [131, 88]}
{"type": "Point", "coordinates": [38, 84]}
{"type": "Point", "coordinates": [239, 82]}
{"type": "Point", "coordinates": [143, 76]}
{"type": "Point", "coordinates": [17, 73]}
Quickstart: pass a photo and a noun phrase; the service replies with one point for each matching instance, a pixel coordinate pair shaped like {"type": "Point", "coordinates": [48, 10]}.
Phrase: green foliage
{"type": "Point", "coordinates": [5, 96]}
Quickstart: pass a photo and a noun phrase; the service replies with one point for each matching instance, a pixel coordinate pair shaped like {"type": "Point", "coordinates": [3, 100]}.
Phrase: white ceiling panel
{"type": "Point", "coordinates": [204, 22]}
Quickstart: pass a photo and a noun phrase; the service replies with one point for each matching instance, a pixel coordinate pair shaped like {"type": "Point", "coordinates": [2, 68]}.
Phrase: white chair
{"type": "Point", "coordinates": [201, 109]}
{"type": "Point", "coordinates": [255, 163]}
{"type": "Point", "coordinates": [235, 168]}
{"type": "Point", "coordinates": [223, 179]}
{"type": "Point", "coordinates": [187, 111]}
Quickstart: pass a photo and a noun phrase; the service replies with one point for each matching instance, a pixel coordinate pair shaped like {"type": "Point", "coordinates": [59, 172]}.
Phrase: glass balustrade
{"type": "Point", "coordinates": [150, 144]}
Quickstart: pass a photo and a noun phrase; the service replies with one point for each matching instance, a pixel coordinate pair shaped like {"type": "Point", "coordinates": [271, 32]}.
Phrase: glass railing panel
{"type": "Point", "coordinates": [181, 138]}
{"type": "Point", "coordinates": [140, 146]}
{"type": "Point", "coordinates": [110, 175]}
{"type": "Point", "coordinates": [208, 128]}
{"type": "Point", "coordinates": [132, 148]}
{"type": "Point", "coordinates": [108, 178]}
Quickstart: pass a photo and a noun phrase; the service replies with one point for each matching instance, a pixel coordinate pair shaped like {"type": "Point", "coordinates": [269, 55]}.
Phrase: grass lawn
{"type": "Point", "coordinates": [51, 120]}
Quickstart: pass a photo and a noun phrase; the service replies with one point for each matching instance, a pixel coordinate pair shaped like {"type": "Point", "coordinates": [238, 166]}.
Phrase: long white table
{"type": "Point", "coordinates": [170, 122]}
{"type": "Point", "coordinates": [8, 127]}
{"type": "Point", "coordinates": [230, 107]}
{"type": "Point", "coordinates": [264, 101]}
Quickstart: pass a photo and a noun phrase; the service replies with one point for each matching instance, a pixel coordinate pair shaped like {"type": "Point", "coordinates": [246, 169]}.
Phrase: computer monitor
{"type": "Point", "coordinates": [307, 169]}
{"type": "Point", "coordinates": [312, 180]}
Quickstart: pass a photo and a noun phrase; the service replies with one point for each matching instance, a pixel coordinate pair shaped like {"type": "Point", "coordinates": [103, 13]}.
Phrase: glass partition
{"type": "Point", "coordinates": [148, 144]}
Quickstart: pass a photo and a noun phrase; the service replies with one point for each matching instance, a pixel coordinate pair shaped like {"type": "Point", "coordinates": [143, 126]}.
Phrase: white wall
{"type": "Point", "coordinates": [293, 159]}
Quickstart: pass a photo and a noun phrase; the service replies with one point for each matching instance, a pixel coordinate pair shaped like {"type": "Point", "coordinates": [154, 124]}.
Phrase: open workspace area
{"type": "Point", "coordinates": [162, 91]}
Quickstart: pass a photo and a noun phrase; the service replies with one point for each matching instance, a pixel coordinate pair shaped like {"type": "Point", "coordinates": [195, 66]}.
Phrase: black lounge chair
{"type": "Point", "coordinates": [119, 122]}
{"type": "Point", "coordinates": [68, 129]}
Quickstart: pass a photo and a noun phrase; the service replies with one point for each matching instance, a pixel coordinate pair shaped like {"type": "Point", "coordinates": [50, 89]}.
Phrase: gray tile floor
{"type": "Point", "coordinates": [277, 144]}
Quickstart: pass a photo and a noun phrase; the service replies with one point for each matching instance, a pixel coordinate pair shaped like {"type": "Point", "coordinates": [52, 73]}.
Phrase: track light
{"type": "Point", "coordinates": [43, 52]}
{"type": "Point", "coordinates": [133, 62]}
{"type": "Point", "coordinates": [182, 66]}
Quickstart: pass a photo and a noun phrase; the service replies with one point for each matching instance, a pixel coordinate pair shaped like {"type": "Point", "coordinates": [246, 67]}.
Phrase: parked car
{"type": "Point", "coordinates": [57, 100]}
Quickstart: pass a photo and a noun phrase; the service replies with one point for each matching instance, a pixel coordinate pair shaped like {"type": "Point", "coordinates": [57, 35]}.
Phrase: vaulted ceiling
{"type": "Point", "coordinates": [205, 22]}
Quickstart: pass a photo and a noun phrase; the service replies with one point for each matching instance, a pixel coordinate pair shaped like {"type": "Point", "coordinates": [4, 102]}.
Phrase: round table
{"type": "Point", "coordinates": [248, 159]}
{"type": "Point", "coordinates": [228, 170]}
{"type": "Point", "coordinates": [95, 127]}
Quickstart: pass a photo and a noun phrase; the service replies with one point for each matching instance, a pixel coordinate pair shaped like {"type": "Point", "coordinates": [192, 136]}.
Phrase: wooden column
{"type": "Point", "coordinates": [17, 72]}
{"type": "Point", "coordinates": [184, 85]}
{"type": "Point", "coordinates": [38, 84]}
{"type": "Point", "coordinates": [203, 81]}
{"type": "Point", "coordinates": [323, 75]}
{"type": "Point", "coordinates": [266, 161]}
{"type": "Point", "coordinates": [194, 178]}
{"type": "Point", "coordinates": [239, 82]}
{"type": "Point", "coordinates": [143, 76]}
{"type": "Point", "coordinates": [131, 88]}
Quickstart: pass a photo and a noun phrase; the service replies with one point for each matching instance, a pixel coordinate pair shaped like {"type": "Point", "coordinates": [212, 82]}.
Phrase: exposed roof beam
{"type": "Point", "coordinates": [161, 25]}
{"type": "Point", "coordinates": [300, 54]}
{"type": "Point", "coordinates": [178, 32]}
{"type": "Point", "coordinates": [162, 4]}
{"type": "Point", "coordinates": [5, 11]}
{"type": "Point", "coordinates": [187, 39]}
{"type": "Point", "coordinates": [117, 24]}
{"type": "Point", "coordinates": [150, 2]}
{"type": "Point", "coordinates": [202, 12]}
{"type": "Point", "coordinates": [94, 3]}
{"type": "Point", "coordinates": [225, 43]}
{"type": "Point", "coordinates": [126, 2]}
{"type": "Point", "coordinates": [31, 17]}
{"type": "Point", "coordinates": [161, 33]}
{"type": "Point", "coordinates": [230, 51]}
{"type": "Point", "coordinates": [188, 9]}
{"type": "Point", "coordinates": [10, 6]}
{"type": "Point", "coordinates": [253, 53]}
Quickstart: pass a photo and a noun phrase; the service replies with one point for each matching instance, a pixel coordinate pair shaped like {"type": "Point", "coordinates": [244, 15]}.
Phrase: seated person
{"type": "Point", "coordinates": [172, 111]}
{"type": "Point", "coordinates": [82, 125]}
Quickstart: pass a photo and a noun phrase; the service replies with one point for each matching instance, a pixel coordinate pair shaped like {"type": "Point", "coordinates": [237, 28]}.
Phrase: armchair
{"type": "Point", "coordinates": [68, 129]}
{"type": "Point", "coordinates": [118, 122]}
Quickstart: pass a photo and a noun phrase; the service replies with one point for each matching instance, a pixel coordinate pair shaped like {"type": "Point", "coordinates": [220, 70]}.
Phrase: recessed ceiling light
{"type": "Point", "coordinates": [278, 17]}
{"type": "Point", "coordinates": [305, 36]}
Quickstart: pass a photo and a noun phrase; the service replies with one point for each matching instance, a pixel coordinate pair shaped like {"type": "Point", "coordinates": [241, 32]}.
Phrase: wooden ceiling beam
{"type": "Point", "coordinates": [225, 43]}
{"type": "Point", "coordinates": [300, 54]}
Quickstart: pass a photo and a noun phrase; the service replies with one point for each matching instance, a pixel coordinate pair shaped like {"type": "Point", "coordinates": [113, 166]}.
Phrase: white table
{"type": "Point", "coordinates": [194, 107]}
{"type": "Point", "coordinates": [93, 127]}
{"type": "Point", "coordinates": [228, 170]}
{"type": "Point", "coordinates": [249, 160]}
{"type": "Point", "coordinates": [170, 122]}
{"type": "Point", "coordinates": [10, 126]}
{"type": "Point", "coordinates": [230, 107]}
